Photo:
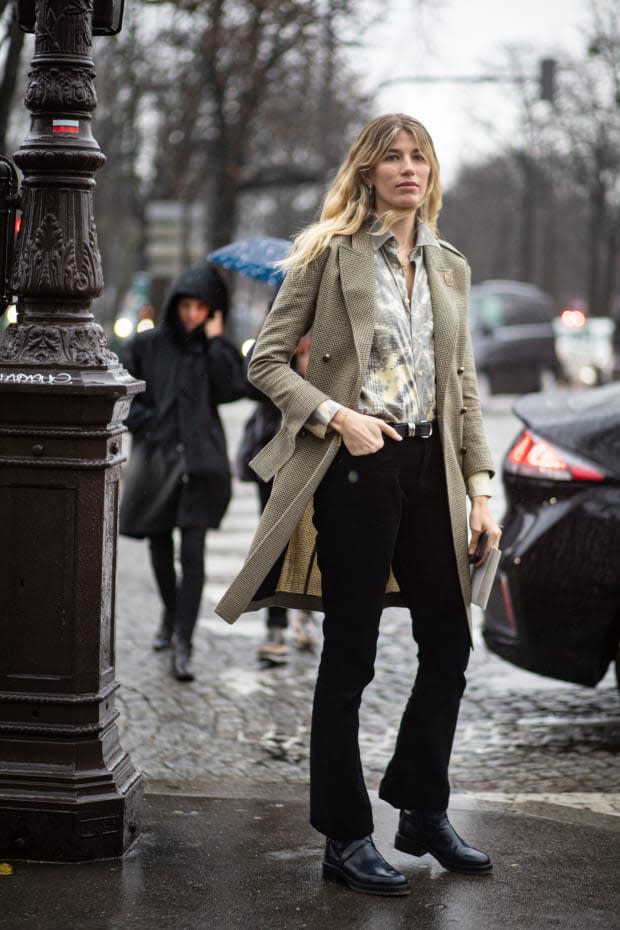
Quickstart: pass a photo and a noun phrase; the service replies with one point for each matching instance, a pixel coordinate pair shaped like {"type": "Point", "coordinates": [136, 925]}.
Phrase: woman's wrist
{"type": "Point", "coordinates": [337, 421]}
{"type": "Point", "coordinates": [479, 485]}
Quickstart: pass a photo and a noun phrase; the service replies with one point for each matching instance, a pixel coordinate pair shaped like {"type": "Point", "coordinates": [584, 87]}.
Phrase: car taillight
{"type": "Point", "coordinates": [537, 458]}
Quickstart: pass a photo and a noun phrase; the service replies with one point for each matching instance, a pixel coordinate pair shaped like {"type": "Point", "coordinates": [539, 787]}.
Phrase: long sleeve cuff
{"type": "Point", "coordinates": [319, 419]}
{"type": "Point", "coordinates": [479, 484]}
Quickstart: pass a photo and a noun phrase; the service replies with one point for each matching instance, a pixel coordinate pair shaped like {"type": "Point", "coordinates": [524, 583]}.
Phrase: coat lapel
{"type": "Point", "coordinates": [359, 286]}
{"type": "Point", "coordinates": [445, 298]}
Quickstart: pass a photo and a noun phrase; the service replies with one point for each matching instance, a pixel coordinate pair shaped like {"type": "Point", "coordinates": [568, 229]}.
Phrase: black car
{"type": "Point", "coordinates": [513, 337]}
{"type": "Point", "coordinates": [555, 604]}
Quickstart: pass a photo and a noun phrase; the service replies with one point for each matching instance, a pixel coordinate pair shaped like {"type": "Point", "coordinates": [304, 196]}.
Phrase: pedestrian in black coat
{"type": "Point", "coordinates": [179, 474]}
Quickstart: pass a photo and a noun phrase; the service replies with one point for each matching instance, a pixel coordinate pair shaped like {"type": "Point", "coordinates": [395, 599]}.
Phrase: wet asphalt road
{"type": "Point", "coordinates": [255, 864]}
{"type": "Point", "coordinates": [520, 736]}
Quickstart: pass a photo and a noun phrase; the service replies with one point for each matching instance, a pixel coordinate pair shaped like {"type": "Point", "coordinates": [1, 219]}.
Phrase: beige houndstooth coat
{"type": "Point", "coordinates": [335, 296]}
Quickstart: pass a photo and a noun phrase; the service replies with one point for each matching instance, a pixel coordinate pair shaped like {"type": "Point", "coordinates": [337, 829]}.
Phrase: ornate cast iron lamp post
{"type": "Point", "coordinates": [67, 789]}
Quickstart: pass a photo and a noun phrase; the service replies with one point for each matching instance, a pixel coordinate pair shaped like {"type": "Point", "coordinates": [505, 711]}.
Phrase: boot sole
{"type": "Point", "coordinates": [272, 659]}
{"type": "Point", "coordinates": [333, 874]}
{"type": "Point", "coordinates": [407, 845]}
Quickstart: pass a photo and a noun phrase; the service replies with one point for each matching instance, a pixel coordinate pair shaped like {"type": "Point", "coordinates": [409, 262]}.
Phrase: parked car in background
{"type": "Point", "coordinates": [512, 337]}
{"type": "Point", "coordinates": [555, 604]}
{"type": "Point", "coordinates": [585, 347]}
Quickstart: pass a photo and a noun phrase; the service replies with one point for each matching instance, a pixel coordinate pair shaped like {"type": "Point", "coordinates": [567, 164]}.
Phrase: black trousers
{"type": "Point", "coordinates": [181, 597]}
{"type": "Point", "coordinates": [372, 512]}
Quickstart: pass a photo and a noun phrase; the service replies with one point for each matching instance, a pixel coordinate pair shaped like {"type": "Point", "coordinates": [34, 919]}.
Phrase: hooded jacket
{"type": "Point", "coordinates": [179, 451]}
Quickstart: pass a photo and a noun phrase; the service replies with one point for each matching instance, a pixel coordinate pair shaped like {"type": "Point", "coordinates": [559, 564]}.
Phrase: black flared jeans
{"type": "Point", "coordinates": [373, 512]}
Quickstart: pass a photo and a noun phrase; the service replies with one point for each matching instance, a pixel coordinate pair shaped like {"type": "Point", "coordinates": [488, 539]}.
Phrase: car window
{"type": "Point", "coordinates": [517, 311]}
{"type": "Point", "coordinates": [492, 310]}
{"type": "Point", "coordinates": [520, 310]}
{"type": "Point", "coordinates": [486, 311]}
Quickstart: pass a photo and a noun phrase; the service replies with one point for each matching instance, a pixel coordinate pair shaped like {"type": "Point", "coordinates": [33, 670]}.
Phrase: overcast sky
{"type": "Point", "coordinates": [464, 37]}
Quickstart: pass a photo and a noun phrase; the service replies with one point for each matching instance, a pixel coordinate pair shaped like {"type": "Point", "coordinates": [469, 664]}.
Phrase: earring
{"type": "Point", "coordinates": [371, 189]}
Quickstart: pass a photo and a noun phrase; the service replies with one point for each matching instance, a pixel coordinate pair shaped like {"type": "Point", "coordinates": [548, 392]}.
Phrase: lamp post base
{"type": "Point", "coordinates": [96, 818]}
{"type": "Point", "coordinates": [68, 791]}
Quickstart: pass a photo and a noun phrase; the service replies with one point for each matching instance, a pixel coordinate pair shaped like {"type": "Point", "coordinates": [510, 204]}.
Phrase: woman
{"type": "Point", "coordinates": [377, 450]}
{"type": "Point", "coordinates": [179, 475]}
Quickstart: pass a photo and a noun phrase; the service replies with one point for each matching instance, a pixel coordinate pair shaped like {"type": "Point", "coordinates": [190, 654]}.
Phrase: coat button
{"type": "Point", "coordinates": [327, 357]}
{"type": "Point", "coordinates": [463, 450]}
{"type": "Point", "coordinates": [460, 371]}
{"type": "Point", "coordinates": [463, 409]}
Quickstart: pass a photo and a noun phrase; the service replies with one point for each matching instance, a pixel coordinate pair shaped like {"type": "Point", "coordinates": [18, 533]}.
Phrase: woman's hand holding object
{"type": "Point", "coordinates": [482, 520]}
{"type": "Point", "coordinates": [361, 434]}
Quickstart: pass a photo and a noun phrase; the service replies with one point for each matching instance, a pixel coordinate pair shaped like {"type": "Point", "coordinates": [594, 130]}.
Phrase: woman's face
{"type": "Point", "coordinates": [401, 177]}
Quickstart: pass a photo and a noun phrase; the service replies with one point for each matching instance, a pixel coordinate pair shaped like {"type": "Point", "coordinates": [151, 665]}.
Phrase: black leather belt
{"type": "Point", "coordinates": [423, 429]}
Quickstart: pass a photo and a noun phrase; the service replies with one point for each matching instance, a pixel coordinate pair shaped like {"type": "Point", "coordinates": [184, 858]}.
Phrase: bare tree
{"type": "Point", "coordinates": [253, 96]}
{"type": "Point", "coordinates": [560, 183]}
{"type": "Point", "coordinates": [588, 131]}
{"type": "Point", "coordinates": [482, 216]}
{"type": "Point", "coordinates": [124, 67]}
{"type": "Point", "coordinates": [226, 102]}
{"type": "Point", "coordinates": [256, 64]}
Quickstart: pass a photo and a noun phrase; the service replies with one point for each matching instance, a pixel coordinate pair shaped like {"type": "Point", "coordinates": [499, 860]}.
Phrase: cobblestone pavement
{"type": "Point", "coordinates": [519, 735]}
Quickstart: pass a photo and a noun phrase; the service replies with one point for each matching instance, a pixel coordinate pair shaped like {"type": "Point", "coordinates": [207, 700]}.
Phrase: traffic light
{"type": "Point", "coordinates": [547, 79]}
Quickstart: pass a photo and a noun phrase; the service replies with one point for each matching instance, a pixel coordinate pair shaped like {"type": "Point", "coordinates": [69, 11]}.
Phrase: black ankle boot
{"type": "Point", "coordinates": [420, 833]}
{"type": "Point", "coordinates": [359, 865]}
{"type": "Point", "coordinates": [163, 637]}
{"type": "Point", "coordinates": [181, 660]}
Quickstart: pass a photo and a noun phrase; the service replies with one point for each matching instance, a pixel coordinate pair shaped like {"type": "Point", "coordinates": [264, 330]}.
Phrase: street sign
{"type": "Point", "coordinates": [175, 236]}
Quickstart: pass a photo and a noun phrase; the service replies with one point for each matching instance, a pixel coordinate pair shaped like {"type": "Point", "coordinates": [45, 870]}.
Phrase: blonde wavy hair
{"type": "Point", "coordinates": [349, 203]}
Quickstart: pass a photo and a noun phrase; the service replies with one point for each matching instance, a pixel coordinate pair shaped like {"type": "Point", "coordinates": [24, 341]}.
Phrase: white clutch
{"type": "Point", "coordinates": [482, 579]}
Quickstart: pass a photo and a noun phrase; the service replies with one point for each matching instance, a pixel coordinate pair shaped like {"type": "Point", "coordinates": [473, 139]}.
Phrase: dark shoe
{"type": "Point", "coordinates": [181, 661]}
{"type": "Point", "coordinates": [433, 833]}
{"type": "Point", "coordinates": [163, 637]}
{"type": "Point", "coordinates": [358, 865]}
{"type": "Point", "coordinates": [274, 648]}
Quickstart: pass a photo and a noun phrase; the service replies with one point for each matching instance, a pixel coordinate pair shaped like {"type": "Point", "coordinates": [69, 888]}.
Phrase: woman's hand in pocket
{"type": "Point", "coordinates": [361, 434]}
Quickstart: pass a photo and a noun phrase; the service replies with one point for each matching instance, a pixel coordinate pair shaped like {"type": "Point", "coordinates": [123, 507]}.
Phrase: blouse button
{"type": "Point", "coordinates": [463, 450]}
{"type": "Point", "coordinates": [327, 357]}
{"type": "Point", "coordinates": [463, 409]}
{"type": "Point", "coordinates": [460, 370]}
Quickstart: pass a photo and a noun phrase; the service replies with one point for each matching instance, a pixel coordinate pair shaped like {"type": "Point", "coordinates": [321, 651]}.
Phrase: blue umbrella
{"type": "Point", "coordinates": [255, 257]}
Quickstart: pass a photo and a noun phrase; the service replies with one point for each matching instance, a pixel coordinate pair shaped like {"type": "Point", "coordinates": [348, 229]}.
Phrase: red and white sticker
{"type": "Point", "coordinates": [69, 126]}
